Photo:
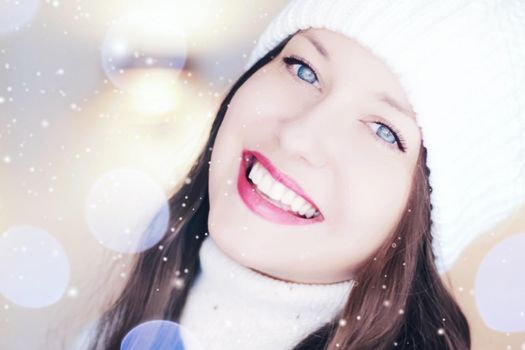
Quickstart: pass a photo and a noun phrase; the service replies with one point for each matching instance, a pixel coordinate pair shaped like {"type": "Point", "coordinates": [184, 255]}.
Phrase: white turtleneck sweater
{"type": "Point", "coordinates": [232, 307]}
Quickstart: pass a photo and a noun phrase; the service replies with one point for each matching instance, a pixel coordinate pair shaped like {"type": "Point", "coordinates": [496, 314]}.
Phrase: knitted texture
{"type": "Point", "coordinates": [462, 66]}
{"type": "Point", "coordinates": [229, 304]}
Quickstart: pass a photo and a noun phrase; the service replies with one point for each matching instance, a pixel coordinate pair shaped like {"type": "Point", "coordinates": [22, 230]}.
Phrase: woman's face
{"type": "Point", "coordinates": [331, 126]}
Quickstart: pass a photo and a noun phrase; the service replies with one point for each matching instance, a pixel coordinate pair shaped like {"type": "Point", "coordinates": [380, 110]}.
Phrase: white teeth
{"type": "Point", "coordinates": [288, 197]}
{"type": "Point", "coordinates": [310, 212]}
{"type": "Point", "coordinates": [255, 174]}
{"type": "Point", "coordinates": [304, 208]}
{"type": "Point", "coordinates": [297, 203]}
{"type": "Point", "coordinates": [278, 192]}
{"type": "Point", "coordinates": [265, 183]}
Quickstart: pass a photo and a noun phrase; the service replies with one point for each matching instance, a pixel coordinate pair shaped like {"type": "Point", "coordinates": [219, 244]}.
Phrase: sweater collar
{"type": "Point", "coordinates": [217, 267]}
{"type": "Point", "coordinates": [261, 312]}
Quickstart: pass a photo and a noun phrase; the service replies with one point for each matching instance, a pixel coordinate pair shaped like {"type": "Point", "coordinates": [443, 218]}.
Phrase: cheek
{"type": "Point", "coordinates": [376, 194]}
{"type": "Point", "coordinates": [253, 102]}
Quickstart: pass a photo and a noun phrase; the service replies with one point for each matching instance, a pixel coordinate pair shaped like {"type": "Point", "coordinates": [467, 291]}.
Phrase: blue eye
{"type": "Point", "coordinates": [388, 134]}
{"type": "Point", "coordinates": [304, 72]}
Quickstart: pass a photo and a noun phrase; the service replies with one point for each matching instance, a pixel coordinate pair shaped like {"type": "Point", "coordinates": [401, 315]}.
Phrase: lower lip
{"type": "Point", "coordinates": [264, 208]}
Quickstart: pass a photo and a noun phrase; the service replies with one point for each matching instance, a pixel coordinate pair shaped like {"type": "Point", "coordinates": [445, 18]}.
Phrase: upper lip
{"type": "Point", "coordinates": [279, 175]}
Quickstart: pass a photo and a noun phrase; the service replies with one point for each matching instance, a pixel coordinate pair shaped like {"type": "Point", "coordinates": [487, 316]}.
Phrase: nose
{"type": "Point", "coordinates": [301, 136]}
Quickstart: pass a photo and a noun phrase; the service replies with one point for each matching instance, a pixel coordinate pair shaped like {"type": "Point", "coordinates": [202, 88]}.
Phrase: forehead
{"type": "Point", "coordinates": [338, 57]}
{"type": "Point", "coordinates": [330, 43]}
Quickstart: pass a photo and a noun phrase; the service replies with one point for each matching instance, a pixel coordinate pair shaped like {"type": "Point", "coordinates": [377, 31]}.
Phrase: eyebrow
{"type": "Point", "coordinates": [394, 104]}
{"type": "Point", "coordinates": [318, 46]}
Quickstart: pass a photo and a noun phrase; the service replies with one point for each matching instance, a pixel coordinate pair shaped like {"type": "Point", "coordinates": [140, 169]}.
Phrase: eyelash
{"type": "Point", "coordinates": [291, 60]}
{"type": "Point", "coordinates": [397, 135]}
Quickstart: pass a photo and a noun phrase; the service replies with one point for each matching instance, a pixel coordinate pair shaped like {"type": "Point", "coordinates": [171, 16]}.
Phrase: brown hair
{"type": "Point", "coordinates": [399, 300]}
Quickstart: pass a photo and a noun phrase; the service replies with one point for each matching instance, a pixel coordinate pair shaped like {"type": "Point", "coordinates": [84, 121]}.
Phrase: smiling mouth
{"type": "Point", "coordinates": [277, 203]}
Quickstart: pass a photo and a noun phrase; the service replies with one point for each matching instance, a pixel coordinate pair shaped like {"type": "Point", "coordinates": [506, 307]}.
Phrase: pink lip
{"type": "Point", "coordinates": [261, 206]}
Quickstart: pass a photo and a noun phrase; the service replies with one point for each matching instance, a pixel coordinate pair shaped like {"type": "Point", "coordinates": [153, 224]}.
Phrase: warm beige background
{"type": "Point", "coordinates": [93, 128]}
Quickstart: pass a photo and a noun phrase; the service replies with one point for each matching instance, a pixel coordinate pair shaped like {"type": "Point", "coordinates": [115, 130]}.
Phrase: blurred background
{"type": "Point", "coordinates": [104, 105]}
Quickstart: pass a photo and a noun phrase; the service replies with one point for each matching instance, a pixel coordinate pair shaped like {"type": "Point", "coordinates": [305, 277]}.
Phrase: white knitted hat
{"type": "Point", "coordinates": [462, 65]}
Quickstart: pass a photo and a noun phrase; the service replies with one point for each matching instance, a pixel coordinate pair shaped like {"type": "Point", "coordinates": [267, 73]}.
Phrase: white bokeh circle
{"type": "Point", "coordinates": [143, 42]}
{"type": "Point", "coordinates": [500, 287]}
{"type": "Point", "coordinates": [160, 335]}
{"type": "Point", "coordinates": [16, 13]}
{"type": "Point", "coordinates": [127, 211]}
{"type": "Point", "coordinates": [34, 269]}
